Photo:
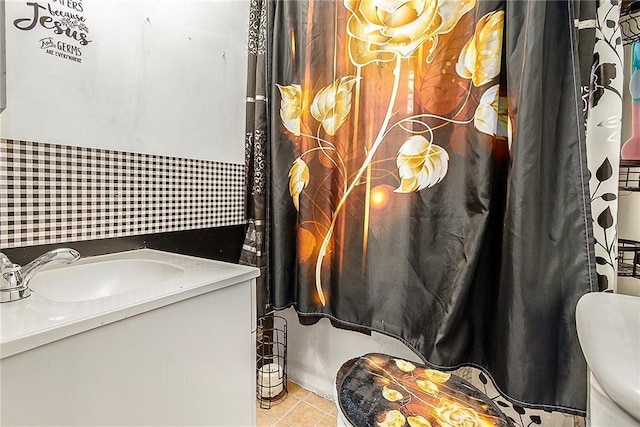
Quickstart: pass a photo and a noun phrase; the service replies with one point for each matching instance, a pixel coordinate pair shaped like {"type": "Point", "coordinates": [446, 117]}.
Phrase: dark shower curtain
{"type": "Point", "coordinates": [425, 177]}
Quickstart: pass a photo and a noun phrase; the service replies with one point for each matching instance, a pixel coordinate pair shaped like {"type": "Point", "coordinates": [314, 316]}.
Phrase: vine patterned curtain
{"type": "Point", "coordinates": [602, 93]}
{"type": "Point", "coordinates": [255, 247]}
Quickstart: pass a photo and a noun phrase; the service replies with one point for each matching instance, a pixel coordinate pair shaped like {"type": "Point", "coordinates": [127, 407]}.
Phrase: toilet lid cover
{"type": "Point", "coordinates": [380, 390]}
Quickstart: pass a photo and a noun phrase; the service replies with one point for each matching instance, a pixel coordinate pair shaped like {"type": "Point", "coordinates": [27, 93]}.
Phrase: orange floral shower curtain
{"type": "Point", "coordinates": [425, 180]}
{"type": "Point", "coordinates": [368, 112]}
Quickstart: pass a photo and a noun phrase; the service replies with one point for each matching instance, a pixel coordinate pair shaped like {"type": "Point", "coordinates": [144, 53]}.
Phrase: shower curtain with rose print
{"type": "Point", "coordinates": [428, 180]}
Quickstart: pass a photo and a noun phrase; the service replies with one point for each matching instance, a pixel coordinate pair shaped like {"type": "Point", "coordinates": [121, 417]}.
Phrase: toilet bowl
{"type": "Point", "coordinates": [604, 412]}
{"type": "Point", "coordinates": [608, 328]}
{"type": "Point", "coordinates": [378, 389]}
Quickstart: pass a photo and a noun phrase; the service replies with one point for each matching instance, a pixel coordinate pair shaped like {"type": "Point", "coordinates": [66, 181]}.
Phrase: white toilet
{"type": "Point", "coordinates": [341, 419]}
{"type": "Point", "coordinates": [609, 331]}
{"type": "Point", "coordinates": [604, 412]}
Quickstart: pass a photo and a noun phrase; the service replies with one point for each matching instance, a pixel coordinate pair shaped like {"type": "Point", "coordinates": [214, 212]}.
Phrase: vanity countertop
{"type": "Point", "coordinates": [36, 320]}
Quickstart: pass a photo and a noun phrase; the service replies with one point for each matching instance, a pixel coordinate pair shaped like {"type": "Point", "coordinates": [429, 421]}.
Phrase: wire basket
{"type": "Point", "coordinates": [629, 258]}
{"type": "Point", "coordinates": [630, 22]}
{"type": "Point", "coordinates": [629, 177]}
{"type": "Point", "coordinates": [271, 374]}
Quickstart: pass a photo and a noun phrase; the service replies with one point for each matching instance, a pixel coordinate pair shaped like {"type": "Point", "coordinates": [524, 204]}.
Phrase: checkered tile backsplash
{"type": "Point", "coordinates": [55, 193]}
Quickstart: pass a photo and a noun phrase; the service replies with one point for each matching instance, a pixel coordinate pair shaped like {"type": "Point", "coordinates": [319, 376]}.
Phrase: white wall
{"type": "Point", "coordinates": [315, 353]}
{"type": "Point", "coordinates": [629, 202]}
{"type": "Point", "coordinates": [158, 77]}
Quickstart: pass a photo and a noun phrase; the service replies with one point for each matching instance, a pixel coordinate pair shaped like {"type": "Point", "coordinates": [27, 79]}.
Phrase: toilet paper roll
{"type": "Point", "coordinates": [270, 380]}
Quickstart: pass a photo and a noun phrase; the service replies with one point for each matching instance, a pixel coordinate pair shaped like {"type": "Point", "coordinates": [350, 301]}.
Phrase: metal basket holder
{"type": "Point", "coordinates": [630, 22]}
{"type": "Point", "coordinates": [629, 178]}
{"type": "Point", "coordinates": [629, 250]}
{"type": "Point", "coordinates": [629, 258]}
{"type": "Point", "coordinates": [271, 363]}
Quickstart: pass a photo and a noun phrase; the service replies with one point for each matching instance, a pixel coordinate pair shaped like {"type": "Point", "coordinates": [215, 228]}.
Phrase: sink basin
{"type": "Point", "coordinates": [89, 280]}
{"type": "Point", "coordinates": [609, 333]}
{"type": "Point", "coordinates": [96, 291]}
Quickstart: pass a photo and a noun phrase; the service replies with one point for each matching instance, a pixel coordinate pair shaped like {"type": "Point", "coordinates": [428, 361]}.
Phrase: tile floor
{"type": "Point", "coordinates": [301, 408]}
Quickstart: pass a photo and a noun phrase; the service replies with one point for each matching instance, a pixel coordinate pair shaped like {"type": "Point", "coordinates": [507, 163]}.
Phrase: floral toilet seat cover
{"type": "Point", "coordinates": [380, 390]}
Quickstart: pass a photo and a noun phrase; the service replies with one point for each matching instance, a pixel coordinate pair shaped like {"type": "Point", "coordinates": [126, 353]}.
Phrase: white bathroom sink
{"type": "Point", "coordinates": [89, 280]}
{"type": "Point", "coordinates": [99, 290]}
{"type": "Point", "coordinates": [609, 333]}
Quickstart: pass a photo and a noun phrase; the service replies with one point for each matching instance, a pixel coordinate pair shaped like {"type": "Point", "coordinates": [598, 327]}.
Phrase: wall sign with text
{"type": "Point", "coordinates": [63, 25]}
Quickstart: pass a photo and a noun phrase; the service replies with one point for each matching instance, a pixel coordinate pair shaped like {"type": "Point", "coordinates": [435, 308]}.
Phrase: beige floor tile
{"type": "Point", "coordinates": [303, 415]}
{"type": "Point", "coordinates": [280, 408]}
{"type": "Point", "coordinates": [334, 411]}
{"type": "Point", "coordinates": [264, 418]}
{"type": "Point", "coordinates": [327, 421]}
{"type": "Point", "coordinates": [320, 402]}
{"type": "Point", "coordinates": [296, 390]}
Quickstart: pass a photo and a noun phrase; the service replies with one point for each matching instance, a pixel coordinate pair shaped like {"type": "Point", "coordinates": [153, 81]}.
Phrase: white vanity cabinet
{"type": "Point", "coordinates": [181, 355]}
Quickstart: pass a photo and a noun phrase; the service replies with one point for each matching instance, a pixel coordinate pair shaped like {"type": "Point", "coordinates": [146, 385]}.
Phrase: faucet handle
{"type": "Point", "coordinates": [11, 288]}
{"type": "Point", "coordinates": [11, 276]}
{"type": "Point", "coordinates": [5, 263]}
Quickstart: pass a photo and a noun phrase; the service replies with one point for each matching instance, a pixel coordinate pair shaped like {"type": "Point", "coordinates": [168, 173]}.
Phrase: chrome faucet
{"type": "Point", "coordinates": [14, 279]}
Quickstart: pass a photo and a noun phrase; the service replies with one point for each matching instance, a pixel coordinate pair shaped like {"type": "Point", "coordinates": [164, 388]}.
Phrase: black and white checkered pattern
{"type": "Point", "coordinates": [54, 193]}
